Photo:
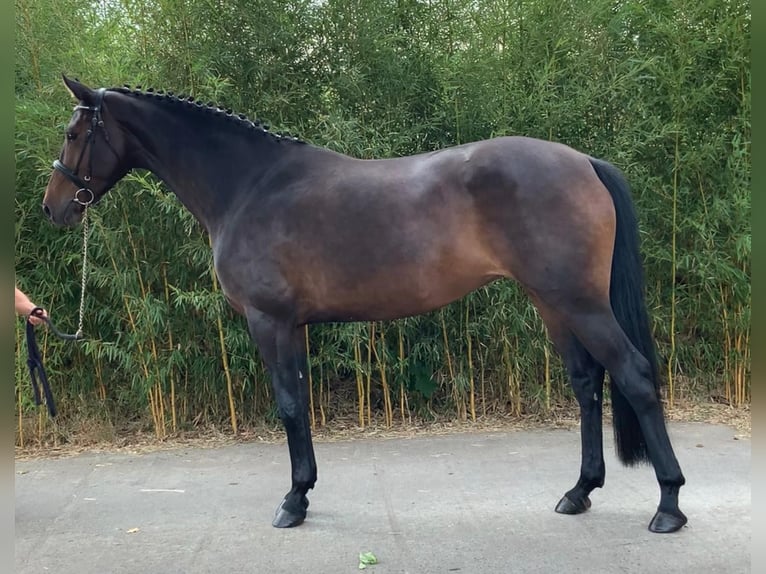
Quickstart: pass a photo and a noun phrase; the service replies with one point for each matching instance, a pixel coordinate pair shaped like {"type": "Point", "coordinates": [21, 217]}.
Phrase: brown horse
{"type": "Point", "coordinates": [303, 235]}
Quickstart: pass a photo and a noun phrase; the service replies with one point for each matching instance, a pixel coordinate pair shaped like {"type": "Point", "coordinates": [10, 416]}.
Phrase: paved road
{"type": "Point", "coordinates": [465, 503]}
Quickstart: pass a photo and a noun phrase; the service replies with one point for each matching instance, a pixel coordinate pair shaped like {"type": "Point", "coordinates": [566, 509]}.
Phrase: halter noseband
{"type": "Point", "coordinates": [84, 194]}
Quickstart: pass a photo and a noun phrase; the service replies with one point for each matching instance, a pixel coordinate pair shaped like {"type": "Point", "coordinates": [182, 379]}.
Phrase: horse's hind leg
{"type": "Point", "coordinates": [631, 373]}
{"type": "Point", "coordinates": [587, 377]}
{"type": "Point", "coordinates": [283, 349]}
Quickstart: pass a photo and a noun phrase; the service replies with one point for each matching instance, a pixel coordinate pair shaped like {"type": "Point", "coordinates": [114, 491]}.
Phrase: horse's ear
{"type": "Point", "coordinates": [80, 92]}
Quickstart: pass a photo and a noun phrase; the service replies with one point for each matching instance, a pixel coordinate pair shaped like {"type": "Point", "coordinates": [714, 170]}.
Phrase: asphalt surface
{"type": "Point", "coordinates": [463, 503]}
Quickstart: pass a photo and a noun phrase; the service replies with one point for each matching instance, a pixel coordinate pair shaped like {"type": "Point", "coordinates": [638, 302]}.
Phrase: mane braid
{"type": "Point", "coordinates": [191, 103]}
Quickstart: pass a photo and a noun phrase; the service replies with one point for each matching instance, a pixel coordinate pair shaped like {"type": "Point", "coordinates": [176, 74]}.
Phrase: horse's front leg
{"type": "Point", "coordinates": [283, 349]}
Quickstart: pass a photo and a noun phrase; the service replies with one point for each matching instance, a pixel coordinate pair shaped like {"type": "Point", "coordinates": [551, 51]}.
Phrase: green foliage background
{"type": "Point", "coordinates": [661, 88]}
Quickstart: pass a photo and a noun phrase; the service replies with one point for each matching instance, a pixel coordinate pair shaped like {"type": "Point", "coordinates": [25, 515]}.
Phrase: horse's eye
{"type": "Point", "coordinates": [71, 136]}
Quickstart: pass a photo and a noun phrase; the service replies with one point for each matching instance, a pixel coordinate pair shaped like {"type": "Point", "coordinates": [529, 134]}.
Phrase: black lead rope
{"type": "Point", "coordinates": [35, 359]}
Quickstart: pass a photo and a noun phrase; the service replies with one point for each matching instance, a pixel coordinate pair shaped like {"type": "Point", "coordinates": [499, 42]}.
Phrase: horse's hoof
{"type": "Point", "coordinates": [286, 517]}
{"type": "Point", "coordinates": [664, 522]}
{"type": "Point", "coordinates": [568, 506]}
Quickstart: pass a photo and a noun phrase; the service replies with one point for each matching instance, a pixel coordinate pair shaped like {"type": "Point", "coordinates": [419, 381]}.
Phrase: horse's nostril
{"type": "Point", "coordinates": [47, 211]}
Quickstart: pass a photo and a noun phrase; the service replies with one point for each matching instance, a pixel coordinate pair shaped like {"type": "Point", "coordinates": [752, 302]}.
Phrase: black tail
{"type": "Point", "coordinates": [629, 305]}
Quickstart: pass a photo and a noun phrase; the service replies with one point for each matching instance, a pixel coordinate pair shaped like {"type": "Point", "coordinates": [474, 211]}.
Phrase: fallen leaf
{"type": "Point", "coordinates": [366, 559]}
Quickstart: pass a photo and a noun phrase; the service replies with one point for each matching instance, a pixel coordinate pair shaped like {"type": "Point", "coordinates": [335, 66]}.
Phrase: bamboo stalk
{"type": "Point", "coordinates": [387, 410]}
{"type": "Point", "coordinates": [471, 383]}
{"type": "Point", "coordinates": [100, 380]}
{"type": "Point", "coordinates": [173, 413]}
{"type": "Point", "coordinates": [224, 357]}
{"type": "Point", "coordinates": [21, 419]}
{"type": "Point", "coordinates": [310, 380]}
{"type": "Point", "coordinates": [173, 409]}
{"type": "Point", "coordinates": [40, 430]}
{"type": "Point", "coordinates": [19, 397]}
{"type": "Point", "coordinates": [674, 233]}
{"type": "Point", "coordinates": [508, 367]}
{"type": "Point", "coordinates": [135, 253]}
{"type": "Point", "coordinates": [403, 407]}
{"type": "Point", "coordinates": [161, 410]}
{"type": "Point", "coordinates": [153, 409]}
{"type": "Point", "coordinates": [743, 355]}
{"type": "Point", "coordinates": [727, 377]}
{"type": "Point", "coordinates": [455, 392]}
{"type": "Point", "coordinates": [227, 373]}
{"type": "Point", "coordinates": [547, 378]}
{"type": "Point", "coordinates": [322, 416]}
{"type": "Point", "coordinates": [402, 395]}
{"type": "Point", "coordinates": [514, 377]}
{"type": "Point", "coordinates": [483, 384]}
{"type": "Point", "coordinates": [161, 401]}
{"type": "Point", "coordinates": [446, 348]}
{"type": "Point", "coordinates": [369, 370]}
{"type": "Point", "coordinates": [185, 405]}
{"type": "Point", "coordinates": [155, 399]}
{"type": "Point", "coordinates": [740, 372]}
{"type": "Point", "coordinates": [359, 379]}
{"type": "Point", "coordinates": [517, 380]}
{"type": "Point", "coordinates": [745, 363]}
{"type": "Point", "coordinates": [155, 412]}
{"type": "Point", "coordinates": [254, 410]}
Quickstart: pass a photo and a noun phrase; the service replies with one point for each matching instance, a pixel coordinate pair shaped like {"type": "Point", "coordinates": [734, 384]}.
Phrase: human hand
{"type": "Point", "coordinates": [36, 317]}
{"type": "Point", "coordinates": [25, 307]}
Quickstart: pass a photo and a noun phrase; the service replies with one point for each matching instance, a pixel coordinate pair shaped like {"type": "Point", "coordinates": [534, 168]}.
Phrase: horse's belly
{"type": "Point", "coordinates": [394, 296]}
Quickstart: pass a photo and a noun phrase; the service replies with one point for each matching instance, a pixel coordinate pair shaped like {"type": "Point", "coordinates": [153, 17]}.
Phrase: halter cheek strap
{"type": "Point", "coordinates": [84, 194]}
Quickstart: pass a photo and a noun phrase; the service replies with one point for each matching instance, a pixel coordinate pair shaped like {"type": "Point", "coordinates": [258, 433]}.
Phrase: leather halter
{"type": "Point", "coordinates": [84, 194]}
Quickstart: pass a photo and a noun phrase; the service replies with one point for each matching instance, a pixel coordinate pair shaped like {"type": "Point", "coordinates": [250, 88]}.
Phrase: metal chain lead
{"type": "Point", "coordinates": [86, 234]}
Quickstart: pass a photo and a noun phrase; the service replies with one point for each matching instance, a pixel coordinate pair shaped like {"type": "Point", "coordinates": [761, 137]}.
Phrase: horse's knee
{"type": "Point", "coordinates": [587, 389]}
{"type": "Point", "coordinates": [587, 383]}
{"type": "Point", "coordinates": [290, 411]}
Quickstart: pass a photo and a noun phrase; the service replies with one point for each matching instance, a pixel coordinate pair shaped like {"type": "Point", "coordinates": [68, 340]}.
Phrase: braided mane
{"type": "Point", "coordinates": [190, 103]}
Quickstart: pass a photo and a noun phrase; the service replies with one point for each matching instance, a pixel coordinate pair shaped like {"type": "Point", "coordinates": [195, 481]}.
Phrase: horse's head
{"type": "Point", "coordinates": [91, 162]}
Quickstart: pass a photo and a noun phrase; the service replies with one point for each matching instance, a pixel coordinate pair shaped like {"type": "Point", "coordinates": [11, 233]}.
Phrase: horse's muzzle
{"type": "Point", "coordinates": [68, 216]}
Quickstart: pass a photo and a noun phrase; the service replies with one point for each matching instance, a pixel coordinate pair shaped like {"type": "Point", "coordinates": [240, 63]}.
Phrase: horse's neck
{"type": "Point", "coordinates": [204, 161]}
